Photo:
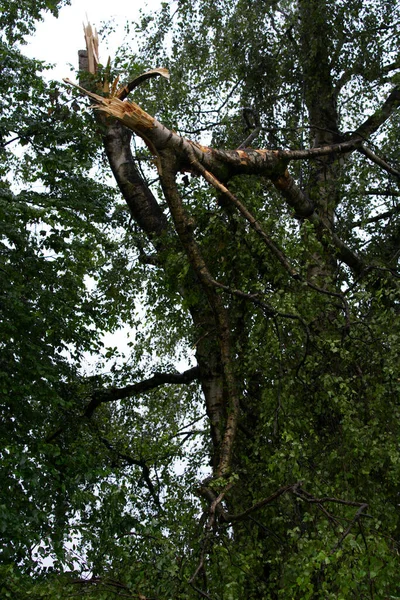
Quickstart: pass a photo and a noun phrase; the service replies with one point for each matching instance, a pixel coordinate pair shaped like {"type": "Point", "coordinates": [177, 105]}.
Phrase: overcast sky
{"type": "Point", "coordinates": [58, 40]}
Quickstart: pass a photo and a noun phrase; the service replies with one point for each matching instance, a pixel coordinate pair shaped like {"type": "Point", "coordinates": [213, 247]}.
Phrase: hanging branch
{"type": "Point", "coordinates": [184, 229]}
{"type": "Point", "coordinates": [259, 230]}
{"type": "Point", "coordinates": [215, 508]}
{"type": "Point", "coordinates": [355, 519]}
{"type": "Point", "coordinates": [378, 161]}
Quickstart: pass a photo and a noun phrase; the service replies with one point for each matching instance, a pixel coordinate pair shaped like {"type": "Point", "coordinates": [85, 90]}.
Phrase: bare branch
{"type": "Point", "coordinates": [340, 148]}
{"type": "Point", "coordinates": [158, 379]}
{"type": "Point", "coordinates": [286, 488]}
{"type": "Point", "coordinates": [129, 460]}
{"type": "Point", "coordinates": [385, 215]}
{"type": "Point", "coordinates": [378, 192]}
{"type": "Point", "coordinates": [378, 161]}
{"type": "Point", "coordinates": [372, 124]}
{"type": "Point", "coordinates": [302, 493]}
{"type": "Point", "coordinates": [199, 591]}
{"type": "Point", "coordinates": [353, 521]}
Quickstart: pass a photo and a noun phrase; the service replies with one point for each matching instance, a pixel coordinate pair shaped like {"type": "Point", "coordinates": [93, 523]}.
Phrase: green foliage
{"type": "Point", "coordinates": [107, 504]}
{"type": "Point", "coordinates": [18, 19]}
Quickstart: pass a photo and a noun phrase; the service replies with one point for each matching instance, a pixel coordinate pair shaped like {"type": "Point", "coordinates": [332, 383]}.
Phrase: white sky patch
{"type": "Point", "coordinates": [57, 41]}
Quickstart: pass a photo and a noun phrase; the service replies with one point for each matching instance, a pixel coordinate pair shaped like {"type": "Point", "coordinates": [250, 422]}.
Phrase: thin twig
{"type": "Point", "coordinates": [346, 533]}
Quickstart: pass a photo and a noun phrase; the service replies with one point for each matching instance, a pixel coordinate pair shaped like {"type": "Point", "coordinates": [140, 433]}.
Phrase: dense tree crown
{"type": "Point", "coordinates": [246, 444]}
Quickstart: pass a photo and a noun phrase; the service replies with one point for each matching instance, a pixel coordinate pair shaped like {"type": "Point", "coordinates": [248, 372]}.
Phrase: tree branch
{"type": "Point", "coordinates": [298, 200]}
{"type": "Point", "coordinates": [223, 163]}
{"type": "Point", "coordinates": [372, 124]}
{"type": "Point", "coordinates": [184, 228]}
{"type": "Point", "coordinates": [378, 161]}
{"type": "Point", "coordinates": [142, 204]}
{"type": "Point", "coordinates": [113, 394]}
{"type": "Point", "coordinates": [385, 215]}
{"type": "Point", "coordinates": [286, 488]}
{"type": "Point", "coordinates": [378, 192]}
{"type": "Point", "coordinates": [138, 463]}
{"type": "Point", "coordinates": [347, 531]}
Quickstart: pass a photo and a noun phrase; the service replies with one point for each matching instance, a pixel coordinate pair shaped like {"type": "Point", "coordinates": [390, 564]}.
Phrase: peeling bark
{"type": "Point", "coordinates": [142, 204]}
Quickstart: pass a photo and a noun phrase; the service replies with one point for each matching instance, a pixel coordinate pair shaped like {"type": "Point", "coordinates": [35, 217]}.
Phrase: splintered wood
{"type": "Point", "coordinates": [129, 113]}
{"type": "Point", "coordinates": [92, 46]}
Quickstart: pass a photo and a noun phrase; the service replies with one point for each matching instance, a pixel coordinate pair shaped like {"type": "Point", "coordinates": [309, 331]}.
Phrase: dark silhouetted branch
{"type": "Point", "coordinates": [158, 379]}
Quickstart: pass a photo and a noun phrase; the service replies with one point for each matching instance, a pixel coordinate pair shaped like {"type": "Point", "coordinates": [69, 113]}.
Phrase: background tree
{"type": "Point", "coordinates": [275, 258]}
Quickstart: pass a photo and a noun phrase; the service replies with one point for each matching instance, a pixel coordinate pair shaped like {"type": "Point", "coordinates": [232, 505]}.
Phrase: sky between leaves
{"type": "Point", "coordinates": [58, 40]}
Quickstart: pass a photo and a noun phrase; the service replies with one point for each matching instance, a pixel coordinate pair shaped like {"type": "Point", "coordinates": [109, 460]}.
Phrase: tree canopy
{"type": "Point", "coordinates": [240, 226]}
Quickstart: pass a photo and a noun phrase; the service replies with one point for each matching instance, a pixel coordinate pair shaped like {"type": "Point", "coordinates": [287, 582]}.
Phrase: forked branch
{"type": "Point", "coordinates": [223, 164]}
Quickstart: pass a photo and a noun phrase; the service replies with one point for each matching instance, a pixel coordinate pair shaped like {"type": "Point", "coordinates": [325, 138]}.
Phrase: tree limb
{"type": "Point", "coordinates": [372, 124]}
{"type": "Point", "coordinates": [158, 379]}
{"type": "Point", "coordinates": [385, 215]}
{"type": "Point", "coordinates": [347, 531]}
{"type": "Point", "coordinates": [224, 163]}
{"type": "Point", "coordinates": [286, 488]}
{"type": "Point", "coordinates": [378, 192]}
{"type": "Point", "coordinates": [303, 206]}
{"type": "Point", "coordinates": [378, 161]}
{"type": "Point", "coordinates": [142, 204]}
{"type": "Point", "coordinates": [184, 229]}
{"type": "Point", "coordinates": [138, 463]}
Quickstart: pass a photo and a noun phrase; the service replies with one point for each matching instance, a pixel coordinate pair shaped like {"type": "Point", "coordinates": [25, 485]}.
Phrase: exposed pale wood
{"type": "Point", "coordinates": [92, 46]}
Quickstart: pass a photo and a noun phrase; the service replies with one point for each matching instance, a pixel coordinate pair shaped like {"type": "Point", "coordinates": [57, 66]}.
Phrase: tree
{"type": "Point", "coordinates": [270, 246]}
